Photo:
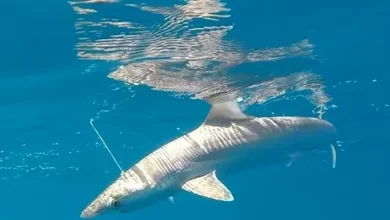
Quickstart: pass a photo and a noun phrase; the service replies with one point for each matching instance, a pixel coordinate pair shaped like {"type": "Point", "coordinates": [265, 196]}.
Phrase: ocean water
{"type": "Point", "coordinates": [141, 69]}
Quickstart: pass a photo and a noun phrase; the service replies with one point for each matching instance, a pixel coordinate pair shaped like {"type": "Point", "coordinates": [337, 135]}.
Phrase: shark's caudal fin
{"type": "Point", "coordinates": [209, 186]}
{"type": "Point", "coordinates": [224, 109]}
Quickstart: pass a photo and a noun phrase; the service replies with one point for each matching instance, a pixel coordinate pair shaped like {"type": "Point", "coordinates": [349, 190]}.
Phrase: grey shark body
{"type": "Point", "coordinates": [228, 141]}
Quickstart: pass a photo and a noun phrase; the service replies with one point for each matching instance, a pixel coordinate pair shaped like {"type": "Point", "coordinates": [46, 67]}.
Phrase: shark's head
{"type": "Point", "coordinates": [121, 196]}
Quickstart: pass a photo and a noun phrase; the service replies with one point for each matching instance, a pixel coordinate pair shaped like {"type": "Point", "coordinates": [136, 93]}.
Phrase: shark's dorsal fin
{"type": "Point", "coordinates": [209, 186]}
{"type": "Point", "coordinates": [224, 109]}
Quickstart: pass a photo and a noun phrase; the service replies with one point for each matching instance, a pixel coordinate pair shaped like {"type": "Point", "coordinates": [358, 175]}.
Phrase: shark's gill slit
{"type": "Point", "coordinates": [105, 145]}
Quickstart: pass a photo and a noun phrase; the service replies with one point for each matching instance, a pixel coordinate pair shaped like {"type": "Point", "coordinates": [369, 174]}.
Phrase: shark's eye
{"type": "Point", "coordinates": [114, 203]}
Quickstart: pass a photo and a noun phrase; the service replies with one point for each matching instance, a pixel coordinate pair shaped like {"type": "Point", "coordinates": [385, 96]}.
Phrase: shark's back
{"type": "Point", "coordinates": [247, 136]}
{"type": "Point", "coordinates": [227, 130]}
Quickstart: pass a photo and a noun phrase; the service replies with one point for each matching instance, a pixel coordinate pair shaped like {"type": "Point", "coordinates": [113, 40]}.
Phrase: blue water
{"type": "Point", "coordinates": [52, 164]}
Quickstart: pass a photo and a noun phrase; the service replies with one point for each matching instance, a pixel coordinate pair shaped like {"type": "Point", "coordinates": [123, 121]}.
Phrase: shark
{"type": "Point", "coordinates": [228, 141]}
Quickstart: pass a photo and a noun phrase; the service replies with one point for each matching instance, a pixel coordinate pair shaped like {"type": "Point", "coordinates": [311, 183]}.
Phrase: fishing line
{"type": "Point", "coordinates": [105, 145]}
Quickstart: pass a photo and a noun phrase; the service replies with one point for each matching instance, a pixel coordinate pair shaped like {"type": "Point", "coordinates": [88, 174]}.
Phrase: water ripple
{"type": "Point", "coordinates": [175, 53]}
{"type": "Point", "coordinates": [176, 37]}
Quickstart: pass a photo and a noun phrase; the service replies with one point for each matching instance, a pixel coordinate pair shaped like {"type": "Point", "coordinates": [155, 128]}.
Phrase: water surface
{"type": "Point", "coordinates": [142, 69]}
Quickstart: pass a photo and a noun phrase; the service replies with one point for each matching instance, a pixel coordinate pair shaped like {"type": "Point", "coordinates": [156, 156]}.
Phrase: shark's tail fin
{"type": "Point", "coordinates": [224, 109]}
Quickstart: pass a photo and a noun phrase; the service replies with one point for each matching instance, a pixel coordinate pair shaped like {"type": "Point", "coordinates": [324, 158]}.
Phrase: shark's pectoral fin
{"type": "Point", "coordinates": [209, 186]}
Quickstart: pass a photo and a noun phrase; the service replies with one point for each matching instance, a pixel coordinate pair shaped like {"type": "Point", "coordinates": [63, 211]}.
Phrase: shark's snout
{"type": "Point", "coordinates": [88, 213]}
